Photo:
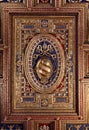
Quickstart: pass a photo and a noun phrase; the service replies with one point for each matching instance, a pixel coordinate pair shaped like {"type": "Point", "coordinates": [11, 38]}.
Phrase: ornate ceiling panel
{"type": "Point", "coordinates": [44, 66]}
{"type": "Point", "coordinates": [44, 63]}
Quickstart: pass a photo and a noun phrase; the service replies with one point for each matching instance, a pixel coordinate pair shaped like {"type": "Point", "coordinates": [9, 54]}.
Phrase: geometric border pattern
{"type": "Point", "coordinates": [26, 28]}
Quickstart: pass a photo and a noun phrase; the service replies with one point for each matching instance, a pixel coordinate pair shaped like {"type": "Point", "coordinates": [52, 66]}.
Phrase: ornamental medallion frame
{"type": "Point", "coordinates": [46, 38]}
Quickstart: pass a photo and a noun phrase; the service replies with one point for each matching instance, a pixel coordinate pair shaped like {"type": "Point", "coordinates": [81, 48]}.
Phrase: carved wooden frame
{"type": "Point", "coordinates": [1, 63]}
{"type": "Point", "coordinates": [7, 114]}
{"type": "Point", "coordinates": [86, 59]}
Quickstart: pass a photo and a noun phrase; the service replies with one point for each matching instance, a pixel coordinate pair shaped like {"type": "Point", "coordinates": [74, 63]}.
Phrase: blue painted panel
{"type": "Point", "coordinates": [75, 1]}
{"type": "Point", "coordinates": [11, 127]}
{"type": "Point", "coordinates": [77, 126]}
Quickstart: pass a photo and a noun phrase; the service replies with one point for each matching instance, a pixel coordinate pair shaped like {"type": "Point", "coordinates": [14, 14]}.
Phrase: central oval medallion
{"type": "Point", "coordinates": [44, 63]}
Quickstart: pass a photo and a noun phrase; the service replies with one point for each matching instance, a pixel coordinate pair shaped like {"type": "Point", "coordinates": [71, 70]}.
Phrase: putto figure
{"type": "Point", "coordinates": [44, 127]}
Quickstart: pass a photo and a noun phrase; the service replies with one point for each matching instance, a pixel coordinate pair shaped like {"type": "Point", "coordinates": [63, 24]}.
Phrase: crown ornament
{"type": "Point", "coordinates": [44, 49]}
